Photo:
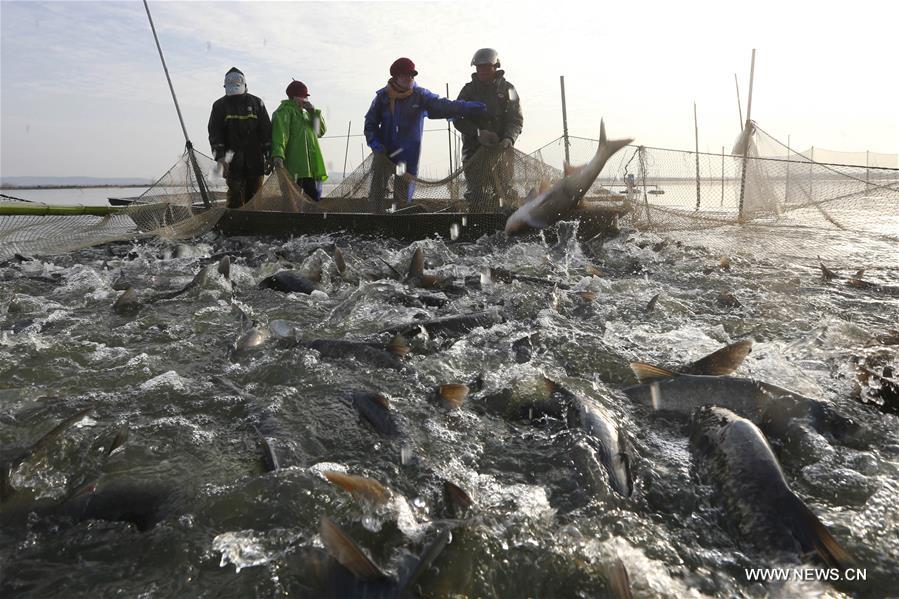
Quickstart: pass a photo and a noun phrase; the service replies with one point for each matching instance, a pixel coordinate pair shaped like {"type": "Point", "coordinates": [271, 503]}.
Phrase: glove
{"type": "Point", "coordinates": [377, 146]}
{"type": "Point", "coordinates": [308, 106]}
{"type": "Point", "coordinates": [278, 162]}
{"type": "Point", "coordinates": [487, 138]}
{"type": "Point", "coordinates": [223, 166]}
{"type": "Point", "coordinates": [475, 109]}
{"type": "Point", "coordinates": [267, 165]}
{"type": "Point", "coordinates": [505, 143]}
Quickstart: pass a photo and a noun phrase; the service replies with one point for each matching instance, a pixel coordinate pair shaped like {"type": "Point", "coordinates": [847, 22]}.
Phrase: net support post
{"type": "Point", "coordinates": [565, 121]}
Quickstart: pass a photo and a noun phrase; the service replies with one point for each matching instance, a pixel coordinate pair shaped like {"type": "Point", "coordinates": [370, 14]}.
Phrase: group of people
{"type": "Point", "coordinates": [247, 144]}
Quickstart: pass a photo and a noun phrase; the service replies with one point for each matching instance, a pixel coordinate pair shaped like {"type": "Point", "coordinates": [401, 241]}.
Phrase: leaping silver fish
{"type": "Point", "coordinates": [541, 210]}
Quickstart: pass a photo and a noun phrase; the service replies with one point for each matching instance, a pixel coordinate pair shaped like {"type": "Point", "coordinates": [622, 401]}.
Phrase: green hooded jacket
{"type": "Point", "coordinates": [294, 140]}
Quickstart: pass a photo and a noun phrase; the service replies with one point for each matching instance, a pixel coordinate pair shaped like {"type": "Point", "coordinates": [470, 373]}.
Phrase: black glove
{"type": "Point", "coordinates": [505, 143]}
{"type": "Point", "coordinates": [267, 166]}
{"type": "Point", "coordinates": [308, 106]}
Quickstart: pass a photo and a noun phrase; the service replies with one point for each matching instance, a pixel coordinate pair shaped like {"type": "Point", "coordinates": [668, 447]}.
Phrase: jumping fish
{"type": "Point", "coordinates": [288, 281]}
{"type": "Point", "coordinates": [541, 210]}
{"type": "Point", "coordinates": [734, 454]}
{"type": "Point", "coordinates": [223, 268]}
{"type": "Point", "coordinates": [719, 362]}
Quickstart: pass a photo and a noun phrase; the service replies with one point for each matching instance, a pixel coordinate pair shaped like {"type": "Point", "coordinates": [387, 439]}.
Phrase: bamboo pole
{"type": "Point", "coordinates": [722, 176]}
{"type": "Point", "coordinates": [696, 132]}
{"type": "Point", "coordinates": [57, 210]}
{"type": "Point", "coordinates": [201, 183]}
{"type": "Point", "coordinates": [565, 121]}
{"type": "Point", "coordinates": [346, 153]}
{"type": "Point", "coordinates": [449, 137]}
{"type": "Point", "coordinates": [745, 127]}
{"type": "Point", "coordinates": [787, 182]}
{"type": "Point", "coordinates": [739, 104]}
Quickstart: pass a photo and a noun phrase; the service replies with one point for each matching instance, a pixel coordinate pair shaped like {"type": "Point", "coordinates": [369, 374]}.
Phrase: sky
{"type": "Point", "coordinates": [83, 93]}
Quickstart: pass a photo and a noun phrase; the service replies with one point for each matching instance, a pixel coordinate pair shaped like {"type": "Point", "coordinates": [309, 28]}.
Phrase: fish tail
{"type": "Point", "coordinates": [813, 535]}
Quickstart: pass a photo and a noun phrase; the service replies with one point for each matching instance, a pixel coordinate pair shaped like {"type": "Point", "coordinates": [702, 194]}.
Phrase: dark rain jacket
{"type": "Point", "coordinates": [398, 134]}
{"type": "Point", "coordinates": [503, 112]}
{"type": "Point", "coordinates": [241, 124]}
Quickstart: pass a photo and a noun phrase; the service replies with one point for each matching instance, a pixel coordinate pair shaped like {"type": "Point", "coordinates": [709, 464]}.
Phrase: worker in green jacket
{"type": "Point", "coordinates": [296, 127]}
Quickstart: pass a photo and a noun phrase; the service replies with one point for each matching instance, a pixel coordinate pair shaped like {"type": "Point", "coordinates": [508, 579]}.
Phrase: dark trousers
{"type": "Point", "coordinates": [310, 187]}
{"type": "Point", "coordinates": [488, 178]}
{"type": "Point", "coordinates": [242, 189]}
{"type": "Point", "coordinates": [382, 169]}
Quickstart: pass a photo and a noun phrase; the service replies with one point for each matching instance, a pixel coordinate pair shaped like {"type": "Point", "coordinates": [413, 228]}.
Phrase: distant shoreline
{"type": "Point", "coordinates": [75, 186]}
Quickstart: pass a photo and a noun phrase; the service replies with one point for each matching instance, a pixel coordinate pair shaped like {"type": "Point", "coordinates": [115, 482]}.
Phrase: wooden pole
{"type": "Point", "coordinates": [722, 176]}
{"type": "Point", "coordinates": [449, 137]}
{"type": "Point", "coordinates": [201, 183]}
{"type": "Point", "coordinates": [787, 182]}
{"type": "Point", "coordinates": [739, 104]}
{"type": "Point", "coordinates": [346, 153]}
{"type": "Point", "coordinates": [867, 171]}
{"type": "Point", "coordinates": [565, 121]}
{"type": "Point", "coordinates": [696, 132]}
{"type": "Point", "coordinates": [745, 129]}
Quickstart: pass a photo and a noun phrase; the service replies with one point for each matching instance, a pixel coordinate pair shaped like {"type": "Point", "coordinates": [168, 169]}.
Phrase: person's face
{"type": "Point", "coordinates": [486, 72]}
{"type": "Point", "coordinates": [405, 80]}
{"type": "Point", "coordinates": [300, 101]}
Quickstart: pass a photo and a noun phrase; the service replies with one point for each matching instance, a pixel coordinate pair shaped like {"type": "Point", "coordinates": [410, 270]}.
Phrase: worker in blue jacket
{"type": "Point", "coordinates": [393, 129]}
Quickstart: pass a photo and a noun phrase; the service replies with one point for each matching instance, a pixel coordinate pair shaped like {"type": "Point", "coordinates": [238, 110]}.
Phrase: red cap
{"type": "Point", "coordinates": [297, 89]}
{"type": "Point", "coordinates": [403, 66]}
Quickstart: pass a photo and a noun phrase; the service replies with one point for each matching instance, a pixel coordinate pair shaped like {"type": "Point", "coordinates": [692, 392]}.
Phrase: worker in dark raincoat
{"type": "Point", "coordinates": [489, 177]}
{"type": "Point", "coordinates": [393, 130]}
{"type": "Point", "coordinates": [240, 133]}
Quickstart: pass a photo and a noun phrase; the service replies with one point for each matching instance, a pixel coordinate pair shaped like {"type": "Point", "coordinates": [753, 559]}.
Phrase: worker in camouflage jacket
{"type": "Point", "coordinates": [240, 133]}
{"type": "Point", "coordinates": [489, 176]}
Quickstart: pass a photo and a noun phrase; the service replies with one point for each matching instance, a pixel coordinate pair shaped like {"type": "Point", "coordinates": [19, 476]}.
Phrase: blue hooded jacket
{"type": "Point", "coordinates": [399, 133]}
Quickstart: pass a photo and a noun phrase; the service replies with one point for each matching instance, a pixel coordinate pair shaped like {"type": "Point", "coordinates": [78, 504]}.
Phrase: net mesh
{"type": "Point", "coordinates": [171, 208]}
{"type": "Point", "coordinates": [759, 196]}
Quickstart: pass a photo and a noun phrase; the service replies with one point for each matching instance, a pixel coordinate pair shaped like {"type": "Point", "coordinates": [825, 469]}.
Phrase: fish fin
{"type": "Point", "coordinates": [399, 346]}
{"type": "Point", "coordinates": [812, 534]}
{"type": "Point", "coordinates": [359, 486]}
{"type": "Point", "coordinates": [119, 440]}
{"type": "Point", "coordinates": [543, 187]}
{"type": "Point", "coordinates": [269, 457]}
{"type": "Point", "coordinates": [452, 395]}
{"type": "Point", "coordinates": [859, 273]}
{"type": "Point", "coordinates": [619, 581]}
{"type": "Point", "coordinates": [648, 372]}
{"type": "Point", "coordinates": [827, 273]}
{"type": "Point", "coordinates": [347, 553]}
{"type": "Point", "coordinates": [650, 306]}
{"type": "Point", "coordinates": [339, 260]}
{"type": "Point", "coordinates": [225, 267]}
{"type": "Point", "coordinates": [417, 265]}
{"type": "Point", "coordinates": [427, 557]}
{"type": "Point", "coordinates": [721, 362]}
{"type": "Point", "coordinates": [458, 501]}
{"type": "Point", "coordinates": [533, 193]}
{"type": "Point", "coordinates": [569, 169]}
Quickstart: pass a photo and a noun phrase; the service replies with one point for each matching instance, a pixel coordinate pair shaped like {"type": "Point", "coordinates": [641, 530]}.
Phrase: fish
{"type": "Point", "coordinates": [222, 268]}
{"type": "Point", "coordinates": [761, 402]}
{"type": "Point", "coordinates": [506, 276]}
{"type": "Point", "coordinates": [287, 281]}
{"type": "Point", "coordinates": [448, 325]}
{"type": "Point", "coordinates": [360, 576]}
{"type": "Point", "coordinates": [416, 276]}
{"type": "Point", "coordinates": [363, 352]}
{"type": "Point", "coordinates": [250, 339]}
{"type": "Point", "coordinates": [457, 503]}
{"type": "Point", "coordinates": [619, 580]}
{"type": "Point", "coordinates": [6, 490]}
{"type": "Point", "coordinates": [541, 210]}
{"type": "Point", "coordinates": [613, 448]}
{"type": "Point", "coordinates": [127, 304]}
{"type": "Point", "coordinates": [733, 453]}
{"type": "Point", "coordinates": [720, 362]}
{"type": "Point", "coordinates": [652, 303]}
{"type": "Point", "coordinates": [375, 409]}
{"type": "Point", "coordinates": [339, 260]}
{"type": "Point", "coordinates": [857, 283]}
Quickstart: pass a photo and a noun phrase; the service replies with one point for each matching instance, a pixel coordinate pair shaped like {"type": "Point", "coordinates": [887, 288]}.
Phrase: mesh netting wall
{"type": "Point", "coordinates": [493, 182]}
{"type": "Point", "coordinates": [172, 208]}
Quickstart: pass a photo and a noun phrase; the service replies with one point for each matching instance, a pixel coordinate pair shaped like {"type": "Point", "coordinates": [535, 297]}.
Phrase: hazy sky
{"type": "Point", "coordinates": [82, 91]}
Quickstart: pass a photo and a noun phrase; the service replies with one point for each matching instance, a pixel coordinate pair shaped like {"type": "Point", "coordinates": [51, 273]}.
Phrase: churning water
{"type": "Point", "coordinates": [545, 522]}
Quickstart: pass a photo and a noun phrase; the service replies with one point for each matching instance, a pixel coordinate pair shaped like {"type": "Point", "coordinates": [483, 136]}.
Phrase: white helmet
{"type": "Point", "coordinates": [485, 56]}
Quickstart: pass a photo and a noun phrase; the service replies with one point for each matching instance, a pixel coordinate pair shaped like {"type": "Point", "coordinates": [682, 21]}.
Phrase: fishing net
{"type": "Point", "coordinates": [773, 200]}
{"type": "Point", "coordinates": [758, 197]}
{"type": "Point", "coordinates": [173, 208]}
